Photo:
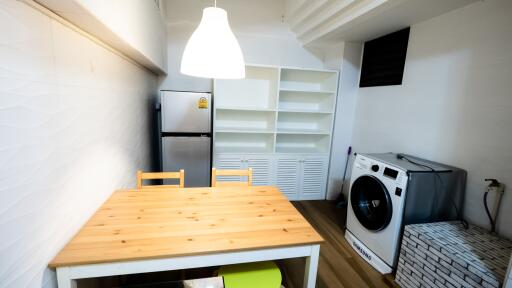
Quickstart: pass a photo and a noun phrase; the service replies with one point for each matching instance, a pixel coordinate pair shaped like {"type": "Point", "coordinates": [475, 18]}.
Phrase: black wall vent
{"type": "Point", "coordinates": [384, 60]}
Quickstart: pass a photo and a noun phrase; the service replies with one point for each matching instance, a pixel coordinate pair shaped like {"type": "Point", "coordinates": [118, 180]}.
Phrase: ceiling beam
{"type": "Point", "coordinates": [306, 9]}
{"type": "Point", "coordinates": [342, 18]}
{"type": "Point", "coordinates": [321, 16]}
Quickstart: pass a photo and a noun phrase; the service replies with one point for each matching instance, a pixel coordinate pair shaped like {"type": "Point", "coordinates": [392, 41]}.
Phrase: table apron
{"type": "Point", "coordinates": [67, 273]}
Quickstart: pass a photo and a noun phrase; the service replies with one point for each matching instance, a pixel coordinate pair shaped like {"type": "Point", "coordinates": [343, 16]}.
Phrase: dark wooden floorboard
{"type": "Point", "coordinates": [339, 265]}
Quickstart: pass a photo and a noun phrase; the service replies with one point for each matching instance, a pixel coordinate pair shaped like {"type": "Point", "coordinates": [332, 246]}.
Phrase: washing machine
{"type": "Point", "coordinates": [388, 191]}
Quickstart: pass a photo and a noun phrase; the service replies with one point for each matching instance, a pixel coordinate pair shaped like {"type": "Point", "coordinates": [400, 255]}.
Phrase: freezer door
{"type": "Point", "coordinates": [185, 112]}
{"type": "Point", "coordinates": [191, 154]}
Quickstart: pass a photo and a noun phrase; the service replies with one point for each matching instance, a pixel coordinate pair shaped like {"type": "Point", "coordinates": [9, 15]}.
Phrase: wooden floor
{"type": "Point", "coordinates": [339, 265]}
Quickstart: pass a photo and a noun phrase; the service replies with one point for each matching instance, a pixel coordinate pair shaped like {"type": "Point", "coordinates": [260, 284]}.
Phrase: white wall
{"type": "Point", "coordinates": [455, 104]}
{"type": "Point", "coordinates": [258, 26]}
{"type": "Point", "coordinates": [344, 122]}
{"type": "Point", "coordinates": [74, 127]}
{"type": "Point", "coordinates": [134, 27]}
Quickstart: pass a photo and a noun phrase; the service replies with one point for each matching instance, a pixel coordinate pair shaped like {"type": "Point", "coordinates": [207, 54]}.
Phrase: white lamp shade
{"type": "Point", "coordinates": [213, 51]}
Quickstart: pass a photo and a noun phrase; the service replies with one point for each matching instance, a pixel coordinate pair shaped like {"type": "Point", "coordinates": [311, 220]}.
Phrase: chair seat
{"type": "Point", "coordinates": [251, 275]}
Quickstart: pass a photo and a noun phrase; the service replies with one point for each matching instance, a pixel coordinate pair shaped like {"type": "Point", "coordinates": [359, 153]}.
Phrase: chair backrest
{"type": "Point", "coordinates": [241, 173]}
{"type": "Point", "coordinates": [160, 175]}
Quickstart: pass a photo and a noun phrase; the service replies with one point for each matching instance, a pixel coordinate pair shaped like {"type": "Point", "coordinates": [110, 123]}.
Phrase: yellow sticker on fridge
{"type": "Point", "coordinates": [202, 103]}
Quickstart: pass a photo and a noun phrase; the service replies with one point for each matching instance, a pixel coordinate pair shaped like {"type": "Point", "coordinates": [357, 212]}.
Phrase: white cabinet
{"type": "Point", "coordinates": [302, 177]}
{"type": "Point", "coordinates": [278, 121]}
{"type": "Point", "coordinates": [287, 176]}
{"type": "Point", "coordinates": [298, 176]}
{"type": "Point", "coordinates": [262, 167]}
{"type": "Point", "coordinates": [228, 162]}
{"type": "Point", "coordinates": [313, 177]}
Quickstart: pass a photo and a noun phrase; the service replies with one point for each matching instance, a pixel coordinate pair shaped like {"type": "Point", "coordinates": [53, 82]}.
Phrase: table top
{"type": "Point", "coordinates": [149, 224]}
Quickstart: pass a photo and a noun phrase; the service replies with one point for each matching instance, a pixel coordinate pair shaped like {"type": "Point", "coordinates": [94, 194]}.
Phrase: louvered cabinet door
{"type": "Point", "coordinates": [287, 176]}
{"type": "Point", "coordinates": [313, 178]}
{"type": "Point", "coordinates": [226, 161]}
{"type": "Point", "coordinates": [262, 169]}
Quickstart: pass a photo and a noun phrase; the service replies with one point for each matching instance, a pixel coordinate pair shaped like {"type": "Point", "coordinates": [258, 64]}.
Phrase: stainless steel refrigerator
{"type": "Point", "coordinates": [186, 135]}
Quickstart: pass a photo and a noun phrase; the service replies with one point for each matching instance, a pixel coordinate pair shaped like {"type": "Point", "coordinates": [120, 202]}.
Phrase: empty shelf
{"type": "Point", "coordinates": [302, 131]}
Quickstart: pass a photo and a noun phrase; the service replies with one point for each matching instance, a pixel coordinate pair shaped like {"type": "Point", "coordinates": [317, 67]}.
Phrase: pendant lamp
{"type": "Point", "coordinates": [213, 51]}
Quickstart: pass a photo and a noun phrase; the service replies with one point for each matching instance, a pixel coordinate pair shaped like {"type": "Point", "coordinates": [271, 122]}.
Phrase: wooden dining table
{"type": "Point", "coordinates": [150, 230]}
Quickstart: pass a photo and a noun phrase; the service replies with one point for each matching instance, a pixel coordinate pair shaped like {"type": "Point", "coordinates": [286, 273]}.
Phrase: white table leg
{"type": "Point", "coordinates": [63, 279]}
{"type": "Point", "coordinates": [311, 267]}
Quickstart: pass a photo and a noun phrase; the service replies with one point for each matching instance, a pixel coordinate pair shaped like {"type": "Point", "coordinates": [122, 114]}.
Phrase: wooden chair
{"type": "Point", "coordinates": [242, 173]}
{"type": "Point", "coordinates": [160, 175]}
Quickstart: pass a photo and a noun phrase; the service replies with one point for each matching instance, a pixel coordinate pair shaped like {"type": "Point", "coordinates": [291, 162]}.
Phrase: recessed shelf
{"type": "Point", "coordinates": [243, 130]}
{"type": "Point", "coordinates": [258, 90]}
{"type": "Point", "coordinates": [303, 131]}
{"type": "Point", "coordinates": [304, 111]}
{"type": "Point", "coordinates": [306, 101]}
{"type": "Point", "coordinates": [302, 143]}
{"type": "Point", "coordinates": [306, 91]}
{"type": "Point", "coordinates": [242, 149]}
{"type": "Point", "coordinates": [246, 109]}
{"type": "Point", "coordinates": [244, 143]}
{"type": "Point", "coordinates": [236, 120]}
{"type": "Point", "coordinates": [299, 150]}
{"type": "Point", "coordinates": [303, 121]}
{"type": "Point", "coordinates": [308, 80]}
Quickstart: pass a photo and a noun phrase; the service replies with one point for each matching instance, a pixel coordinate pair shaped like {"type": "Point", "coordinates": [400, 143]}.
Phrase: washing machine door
{"type": "Point", "coordinates": [371, 202]}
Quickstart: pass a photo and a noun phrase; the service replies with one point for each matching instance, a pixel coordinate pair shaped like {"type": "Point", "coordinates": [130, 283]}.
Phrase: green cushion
{"type": "Point", "coordinates": [251, 275]}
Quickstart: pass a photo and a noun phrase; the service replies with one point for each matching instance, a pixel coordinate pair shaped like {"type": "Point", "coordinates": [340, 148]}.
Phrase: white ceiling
{"type": "Point", "coordinates": [323, 22]}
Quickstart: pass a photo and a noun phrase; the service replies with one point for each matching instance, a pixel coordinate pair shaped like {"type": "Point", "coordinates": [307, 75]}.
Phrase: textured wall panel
{"type": "Point", "coordinates": [74, 126]}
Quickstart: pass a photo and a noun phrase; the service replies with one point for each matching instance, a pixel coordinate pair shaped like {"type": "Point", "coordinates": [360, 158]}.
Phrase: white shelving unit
{"type": "Point", "coordinates": [245, 121]}
{"type": "Point", "coordinates": [278, 120]}
{"type": "Point", "coordinates": [302, 143]}
{"type": "Point", "coordinates": [306, 101]}
{"type": "Point", "coordinates": [258, 91]}
{"type": "Point", "coordinates": [243, 142]}
{"type": "Point", "coordinates": [304, 123]}
{"type": "Point", "coordinates": [301, 80]}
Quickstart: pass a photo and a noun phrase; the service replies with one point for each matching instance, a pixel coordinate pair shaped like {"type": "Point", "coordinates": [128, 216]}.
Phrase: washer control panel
{"type": "Point", "coordinates": [391, 173]}
{"type": "Point", "coordinates": [380, 169]}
